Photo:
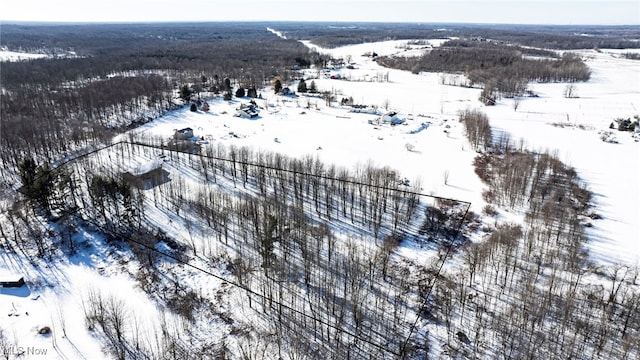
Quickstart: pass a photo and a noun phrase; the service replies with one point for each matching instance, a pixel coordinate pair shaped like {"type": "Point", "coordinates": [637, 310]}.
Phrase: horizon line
{"type": "Point", "coordinates": [91, 22]}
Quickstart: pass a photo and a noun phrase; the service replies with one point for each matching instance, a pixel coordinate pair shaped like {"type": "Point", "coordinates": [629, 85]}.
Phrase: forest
{"type": "Point", "coordinates": [112, 76]}
{"type": "Point", "coordinates": [311, 250]}
{"type": "Point", "coordinates": [308, 246]}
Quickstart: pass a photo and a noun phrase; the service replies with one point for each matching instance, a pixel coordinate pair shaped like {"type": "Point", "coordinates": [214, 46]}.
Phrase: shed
{"type": "Point", "coordinates": [11, 281]}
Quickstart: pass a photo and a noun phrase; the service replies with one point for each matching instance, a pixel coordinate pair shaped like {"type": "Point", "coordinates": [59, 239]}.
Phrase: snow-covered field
{"type": "Point", "coordinates": [301, 125]}
{"type": "Point", "coordinates": [6, 55]}
{"type": "Point", "coordinates": [569, 126]}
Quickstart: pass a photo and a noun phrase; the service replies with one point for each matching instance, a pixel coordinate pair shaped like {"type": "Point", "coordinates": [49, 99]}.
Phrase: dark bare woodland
{"type": "Point", "coordinates": [285, 231]}
{"type": "Point", "coordinates": [500, 69]}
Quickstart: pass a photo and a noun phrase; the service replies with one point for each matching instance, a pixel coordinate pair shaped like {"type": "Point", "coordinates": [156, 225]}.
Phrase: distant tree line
{"type": "Point", "coordinates": [538, 36]}
{"type": "Point", "coordinates": [501, 69]}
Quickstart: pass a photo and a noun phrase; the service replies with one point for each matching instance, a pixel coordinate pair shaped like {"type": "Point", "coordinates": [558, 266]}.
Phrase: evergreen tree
{"type": "Point", "coordinates": [185, 93]}
{"type": "Point", "coordinates": [277, 85]}
{"type": "Point", "coordinates": [38, 182]}
{"type": "Point", "coordinates": [302, 86]}
{"type": "Point", "coordinates": [27, 169]}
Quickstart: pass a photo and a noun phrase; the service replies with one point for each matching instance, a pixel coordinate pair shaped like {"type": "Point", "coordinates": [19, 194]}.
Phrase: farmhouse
{"type": "Point", "coordinates": [146, 175]}
{"type": "Point", "coordinates": [248, 111]}
{"type": "Point", "coordinates": [11, 281]}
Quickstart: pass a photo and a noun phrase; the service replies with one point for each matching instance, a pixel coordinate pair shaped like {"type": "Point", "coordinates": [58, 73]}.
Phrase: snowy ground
{"type": "Point", "coordinates": [337, 136]}
{"type": "Point", "coordinates": [611, 170]}
{"type": "Point", "coordinates": [6, 55]}
{"type": "Point", "coordinates": [55, 298]}
{"type": "Point", "coordinates": [299, 126]}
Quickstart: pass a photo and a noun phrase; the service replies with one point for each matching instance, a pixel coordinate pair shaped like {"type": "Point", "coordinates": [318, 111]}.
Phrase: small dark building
{"type": "Point", "coordinates": [12, 281]}
{"type": "Point", "coordinates": [183, 134]}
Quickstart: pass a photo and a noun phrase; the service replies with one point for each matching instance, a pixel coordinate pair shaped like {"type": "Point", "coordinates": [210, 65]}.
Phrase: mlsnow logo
{"type": "Point", "coordinates": [27, 350]}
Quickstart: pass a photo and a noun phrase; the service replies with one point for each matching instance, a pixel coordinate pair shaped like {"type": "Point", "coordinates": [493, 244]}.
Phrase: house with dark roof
{"type": "Point", "coordinates": [183, 134]}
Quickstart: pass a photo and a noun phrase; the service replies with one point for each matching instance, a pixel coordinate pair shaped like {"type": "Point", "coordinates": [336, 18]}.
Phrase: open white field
{"type": "Point", "coordinates": [301, 125]}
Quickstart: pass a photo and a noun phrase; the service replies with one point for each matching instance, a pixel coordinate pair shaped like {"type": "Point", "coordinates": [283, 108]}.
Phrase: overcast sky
{"type": "Point", "coordinates": [562, 12]}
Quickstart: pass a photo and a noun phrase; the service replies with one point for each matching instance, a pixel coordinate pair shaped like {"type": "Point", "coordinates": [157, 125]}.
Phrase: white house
{"type": "Point", "coordinates": [248, 111]}
{"type": "Point", "coordinates": [392, 118]}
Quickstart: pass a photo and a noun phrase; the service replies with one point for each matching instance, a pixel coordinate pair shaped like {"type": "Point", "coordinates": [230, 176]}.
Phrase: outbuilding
{"type": "Point", "coordinates": [11, 281]}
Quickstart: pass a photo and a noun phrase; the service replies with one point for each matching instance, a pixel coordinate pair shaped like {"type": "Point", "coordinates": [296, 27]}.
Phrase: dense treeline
{"type": "Point", "coordinates": [121, 75]}
{"type": "Point", "coordinates": [570, 37]}
{"type": "Point", "coordinates": [332, 35]}
{"type": "Point", "coordinates": [477, 129]}
{"type": "Point", "coordinates": [500, 68]}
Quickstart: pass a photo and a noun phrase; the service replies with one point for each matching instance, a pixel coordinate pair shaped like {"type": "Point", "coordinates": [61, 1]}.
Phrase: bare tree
{"type": "Point", "coordinates": [570, 91]}
{"type": "Point", "coordinates": [515, 104]}
{"type": "Point", "coordinates": [445, 176]}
